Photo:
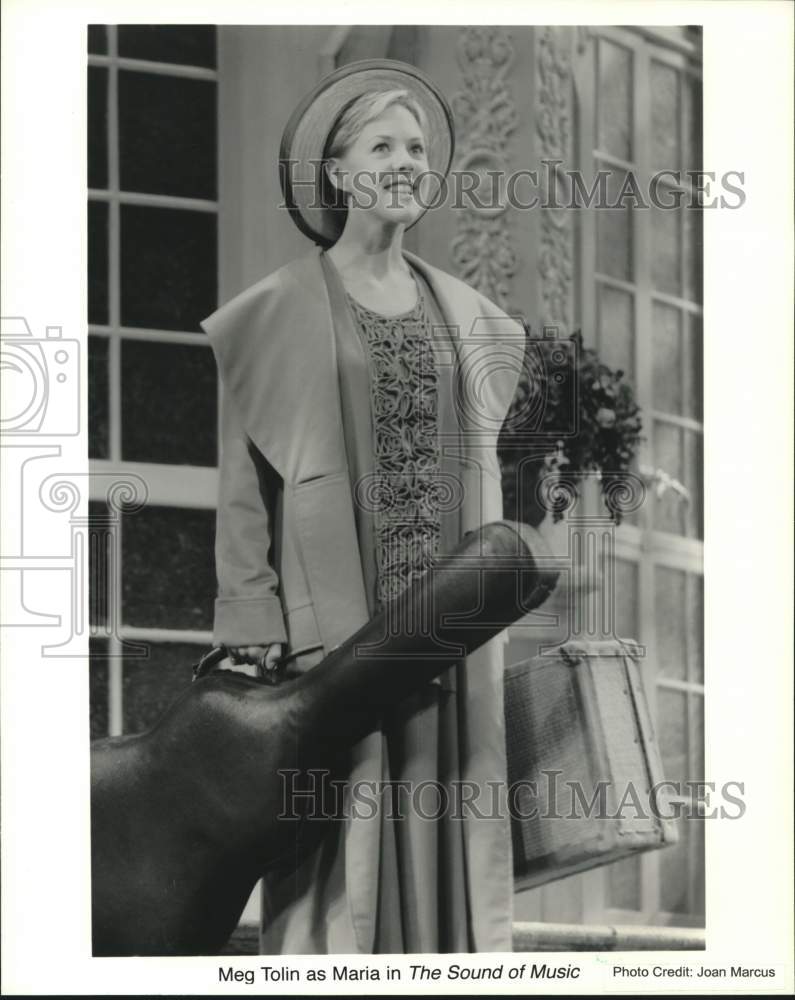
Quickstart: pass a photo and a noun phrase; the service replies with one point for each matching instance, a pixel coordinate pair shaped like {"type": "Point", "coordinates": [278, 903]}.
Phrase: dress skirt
{"type": "Point", "coordinates": [404, 447]}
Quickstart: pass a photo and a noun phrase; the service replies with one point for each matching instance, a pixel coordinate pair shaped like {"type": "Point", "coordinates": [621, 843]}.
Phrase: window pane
{"type": "Point", "coordinates": [627, 599]}
{"type": "Point", "coordinates": [97, 39]}
{"type": "Point", "coordinates": [168, 267]}
{"type": "Point", "coordinates": [697, 737]}
{"type": "Point", "coordinates": [669, 509]}
{"type": "Point", "coordinates": [167, 135]}
{"type": "Point", "coordinates": [623, 884]}
{"type": "Point", "coordinates": [669, 605]}
{"type": "Point", "coordinates": [698, 863]}
{"type": "Point", "coordinates": [616, 329]}
{"type": "Point", "coordinates": [614, 230]}
{"type": "Point", "coordinates": [692, 119]}
{"type": "Point", "coordinates": [666, 256]}
{"type": "Point", "coordinates": [667, 358]}
{"type": "Point", "coordinates": [169, 403]}
{"type": "Point", "coordinates": [693, 390]}
{"type": "Point", "coordinates": [101, 553]}
{"type": "Point", "coordinates": [682, 871]}
{"type": "Point", "coordinates": [694, 481]}
{"type": "Point", "coordinates": [672, 733]}
{"type": "Point", "coordinates": [97, 123]}
{"type": "Point", "coordinates": [615, 100]}
{"type": "Point", "coordinates": [665, 153]}
{"type": "Point", "coordinates": [187, 44]}
{"type": "Point", "coordinates": [693, 220]}
{"type": "Point", "coordinates": [695, 626]}
{"type": "Point", "coordinates": [150, 686]}
{"type": "Point", "coordinates": [98, 688]}
{"type": "Point", "coordinates": [169, 568]}
{"type": "Point", "coordinates": [98, 262]}
{"type": "Point", "coordinates": [98, 429]}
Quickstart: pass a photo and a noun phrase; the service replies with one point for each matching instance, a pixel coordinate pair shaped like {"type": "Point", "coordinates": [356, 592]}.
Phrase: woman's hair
{"type": "Point", "coordinates": [364, 109]}
{"type": "Point", "coordinates": [346, 129]}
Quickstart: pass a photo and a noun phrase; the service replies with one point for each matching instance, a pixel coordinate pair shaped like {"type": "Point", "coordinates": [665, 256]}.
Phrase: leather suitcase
{"type": "Point", "coordinates": [576, 716]}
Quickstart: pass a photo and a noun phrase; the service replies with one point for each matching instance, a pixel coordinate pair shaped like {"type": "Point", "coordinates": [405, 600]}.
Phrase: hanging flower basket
{"type": "Point", "coordinates": [572, 416]}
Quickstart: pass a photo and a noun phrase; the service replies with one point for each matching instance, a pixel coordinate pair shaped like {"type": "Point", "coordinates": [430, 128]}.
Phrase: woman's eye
{"type": "Point", "coordinates": [418, 147]}
{"type": "Point", "coordinates": [379, 145]}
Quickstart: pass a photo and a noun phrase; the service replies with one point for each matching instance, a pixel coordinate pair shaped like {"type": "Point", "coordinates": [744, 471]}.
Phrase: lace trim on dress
{"type": "Point", "coordinates": [404, 397]}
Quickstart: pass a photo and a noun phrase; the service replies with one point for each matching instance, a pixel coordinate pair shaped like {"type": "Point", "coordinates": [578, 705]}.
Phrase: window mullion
{"type": "Point", "coordinates": [586, 95]}
{"type": "Point", "coordinates": [115, 708]}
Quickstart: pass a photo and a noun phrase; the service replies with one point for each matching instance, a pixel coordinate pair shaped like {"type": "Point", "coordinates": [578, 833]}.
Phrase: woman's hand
{"type": "Point", "coordinates": [264, 657]}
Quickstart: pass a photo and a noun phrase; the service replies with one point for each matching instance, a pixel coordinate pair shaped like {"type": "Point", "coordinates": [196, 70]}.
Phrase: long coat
{"type": "Point", "coordinates": [288, 561]}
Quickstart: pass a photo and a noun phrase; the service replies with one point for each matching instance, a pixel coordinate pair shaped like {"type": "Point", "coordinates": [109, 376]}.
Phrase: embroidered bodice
{"type": "Point", "coordinates": [404, 399]}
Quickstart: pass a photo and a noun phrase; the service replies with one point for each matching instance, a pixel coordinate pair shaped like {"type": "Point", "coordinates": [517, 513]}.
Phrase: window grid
{"type": "Point", "coordinates": [644, 544]}
{"type": "Point", "coordinates": [114, 62]}
{"type": "Point", "coordinates": [155, 200]}
{"type": "Point", "coordinates": [177, 486]}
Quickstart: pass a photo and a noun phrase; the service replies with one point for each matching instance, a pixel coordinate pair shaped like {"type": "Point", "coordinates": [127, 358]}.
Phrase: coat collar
{"type": "Point", "coordinates": [275, 348]}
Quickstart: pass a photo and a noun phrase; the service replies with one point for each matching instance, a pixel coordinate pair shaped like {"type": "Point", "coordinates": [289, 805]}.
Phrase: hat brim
{"type": "Point", "coordinates": [304, 138]}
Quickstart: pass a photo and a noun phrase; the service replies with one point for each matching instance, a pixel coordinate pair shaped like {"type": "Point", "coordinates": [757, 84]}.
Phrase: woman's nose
{"type": "Point", "coordinates": [402, 160]}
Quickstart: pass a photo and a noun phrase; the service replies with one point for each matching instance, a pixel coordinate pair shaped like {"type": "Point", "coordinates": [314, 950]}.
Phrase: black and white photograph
{"type": "Point", "coordinates": [381, 506]}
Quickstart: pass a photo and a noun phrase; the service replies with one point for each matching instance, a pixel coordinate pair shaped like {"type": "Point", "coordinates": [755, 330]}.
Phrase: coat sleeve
{"type": "Point", "coordinates": [248, 609]}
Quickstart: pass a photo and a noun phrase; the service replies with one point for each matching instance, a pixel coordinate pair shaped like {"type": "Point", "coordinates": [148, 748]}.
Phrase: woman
{"type": "Point", "coordinates": [363, 391]}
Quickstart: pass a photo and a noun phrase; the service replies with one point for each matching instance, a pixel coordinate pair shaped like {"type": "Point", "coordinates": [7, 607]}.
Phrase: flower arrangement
{"type": "Point", "coordinates": [572, 415]}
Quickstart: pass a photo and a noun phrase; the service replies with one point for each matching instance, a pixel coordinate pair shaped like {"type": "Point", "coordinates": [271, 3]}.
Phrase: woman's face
{"type": "Point", "coordinates": [381, 168]}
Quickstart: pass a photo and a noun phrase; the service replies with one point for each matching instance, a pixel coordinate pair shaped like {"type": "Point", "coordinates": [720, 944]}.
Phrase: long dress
{"type": "Point", "coordinates": [404, 448]}
{"type": "Point", "coordinates": [403, 444]}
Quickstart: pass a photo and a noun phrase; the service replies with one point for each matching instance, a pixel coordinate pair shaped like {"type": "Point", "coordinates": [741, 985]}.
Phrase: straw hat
{"type": "Point", "coordinates": [304, 139]}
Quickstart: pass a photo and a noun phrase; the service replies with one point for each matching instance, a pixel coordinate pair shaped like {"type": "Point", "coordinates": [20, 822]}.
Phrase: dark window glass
{"type": "Point", "coordinates": [667, 358]}
{"type": "Point", "coordinates": [168, 267]}
{"type": "Point", "coordinates": [697, 737]}
{"type": "Point", "coordinates": [672, 729]}
{"type": "Point", "coordinates": [679, 453]}
{"type": "Point", "coordinates": [694, 481]}
{"type": "Point", "coordinates": [169, 403]}
{"type": "Point", "coordinates": [97, 127]}
{"type": "Point", "coordinates": [626, 599]}
{"type": "Point", "coordinates": [98, 262]}
{"type": "Point", "coordinates": [693, 390]}
{"type": "Point", "coordinates": [617, 329]}
{"type": "Point", "coordinates": [682, 871]}
{"type": "Point", "coordinates": [167, 135]}
{"type": "Point", "coordinates": [169, 568]}
{"type": "Point", "coordinates": [695, 626]}
{"type": "Point", "coordinates": [98, 443]}
{"type": "Point", "coordinates": [693, 123]}
{"type": "Point", "coordinates": [102, 538]}
{"type": "Point", "coordinates": [186, 44]}
{"type": "Point", "coordinates": [670, 596]}
{"type": "Point", "coordinates": [98, 688]}
{"type": "Point", "coordinates": [614, 227]}
{"type": "Point", "coordinates": [623, 884]}
{"type": "Point", "coordinates": [615, 100]}
{"type": "Point", "coordinates": [666, 247]}
{"type": "Point", "coordinates": [665, 116]}
{"type": "Point", "coordinates": [97, 39]}
{"type": "Point", "coordinates": [150, 686]}
{"type": "Point", "coordinates": [694, 253]}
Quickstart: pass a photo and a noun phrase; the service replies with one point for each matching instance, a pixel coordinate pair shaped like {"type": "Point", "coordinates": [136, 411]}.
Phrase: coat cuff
{"type": "Point", "coordinates": [245, 621]}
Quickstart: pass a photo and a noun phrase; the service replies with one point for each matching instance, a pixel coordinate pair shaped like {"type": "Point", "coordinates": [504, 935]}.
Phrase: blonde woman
{"type": "Point", "coordinates": [363, 391]}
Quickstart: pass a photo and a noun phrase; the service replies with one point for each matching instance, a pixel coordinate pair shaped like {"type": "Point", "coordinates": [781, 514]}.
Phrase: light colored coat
{"type": "Point", "coordinates": [287, 556]}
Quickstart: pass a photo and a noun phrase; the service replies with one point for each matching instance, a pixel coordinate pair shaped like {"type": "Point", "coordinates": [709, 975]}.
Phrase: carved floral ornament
{"type": "Point", "coordinates": [486, 116]}
{"type": "Point", "coordinates": [553, 128]}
